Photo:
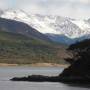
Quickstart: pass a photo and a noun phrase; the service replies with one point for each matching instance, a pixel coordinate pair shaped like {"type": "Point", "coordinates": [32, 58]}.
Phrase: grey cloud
{"type": "Point", "coordinates": [71, 8]}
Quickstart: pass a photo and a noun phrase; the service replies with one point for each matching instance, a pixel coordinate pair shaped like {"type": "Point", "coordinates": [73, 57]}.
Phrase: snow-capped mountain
{"type": "Point", "coordinates": [53, 26]}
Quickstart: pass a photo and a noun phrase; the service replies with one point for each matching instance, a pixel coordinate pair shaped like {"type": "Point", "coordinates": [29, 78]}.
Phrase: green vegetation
{"type": "Point", "coordinates": [19, 49]}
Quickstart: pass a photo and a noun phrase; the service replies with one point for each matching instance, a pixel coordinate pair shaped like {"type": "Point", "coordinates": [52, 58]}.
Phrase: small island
{"type": "Point", "coordinates": [77, 72]}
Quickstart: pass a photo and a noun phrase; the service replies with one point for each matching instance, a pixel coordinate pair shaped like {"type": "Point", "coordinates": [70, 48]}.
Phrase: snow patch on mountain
{"type": "Point", "coordinates": [51, 24]}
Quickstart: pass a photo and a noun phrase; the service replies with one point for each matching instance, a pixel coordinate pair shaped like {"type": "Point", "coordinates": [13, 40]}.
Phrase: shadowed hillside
{"type": "Point", "coordinates": [79, 71]}
{"type": "Point", "coordinates": [17, 48]}
{"type": "Point", "coordinates": [8, 25]}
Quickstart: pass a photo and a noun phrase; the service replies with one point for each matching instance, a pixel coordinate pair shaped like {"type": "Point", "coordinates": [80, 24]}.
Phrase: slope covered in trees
{"type": "Point", "coordinates": [17, 48]}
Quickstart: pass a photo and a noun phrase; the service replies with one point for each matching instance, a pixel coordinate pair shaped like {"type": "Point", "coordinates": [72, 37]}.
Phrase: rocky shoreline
{"type": "Point", "coordinates": [37, 78]}
{"type": "Point", "coordinates": [41, 78]}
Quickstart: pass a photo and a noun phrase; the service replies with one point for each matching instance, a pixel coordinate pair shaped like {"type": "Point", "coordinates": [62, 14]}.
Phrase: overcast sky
{"type": "Point", "coordinates": [68, 8]}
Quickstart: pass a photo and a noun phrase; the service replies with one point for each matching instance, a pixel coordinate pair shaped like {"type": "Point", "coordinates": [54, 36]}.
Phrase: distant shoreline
{"type": "Point", "coordinates": [48, 65]}
{"type": "Point", "coordinates": [6, 64]}
{"type": "Point", "coordinates": [36, 65]}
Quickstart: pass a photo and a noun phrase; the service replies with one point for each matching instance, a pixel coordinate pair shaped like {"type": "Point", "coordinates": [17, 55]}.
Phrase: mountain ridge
{"type": "Point", "coordinates": [21, 28]}
{"type": "Point", "coordinates": [71, 28]}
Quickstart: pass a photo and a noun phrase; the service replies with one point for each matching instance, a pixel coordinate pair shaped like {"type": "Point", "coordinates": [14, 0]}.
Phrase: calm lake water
{"type": "Point", "coordinates": [7, 73]}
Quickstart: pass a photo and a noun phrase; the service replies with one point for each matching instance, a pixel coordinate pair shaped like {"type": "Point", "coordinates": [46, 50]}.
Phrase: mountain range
{"type": "Point", "coordinates": [22, 44]}
{"type": "Point", "coordinates": [57, 28]}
